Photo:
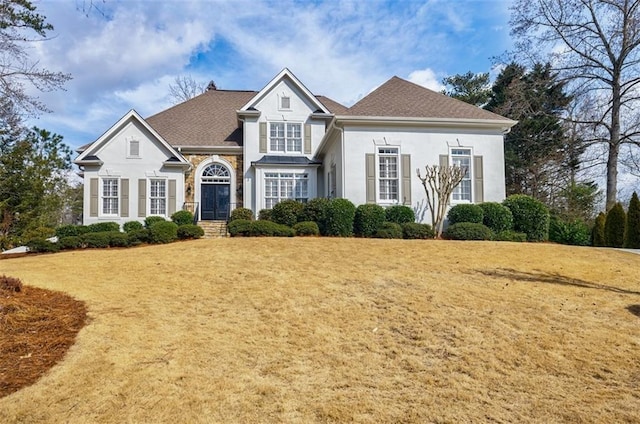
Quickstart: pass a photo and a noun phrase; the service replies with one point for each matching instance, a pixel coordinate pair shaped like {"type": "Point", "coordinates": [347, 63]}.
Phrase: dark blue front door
{"type": "Point", "coordinates": [214, 202]}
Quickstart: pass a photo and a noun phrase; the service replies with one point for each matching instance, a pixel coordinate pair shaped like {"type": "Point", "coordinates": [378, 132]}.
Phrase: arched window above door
{"type": "Point", "coordinates": [216, 173]}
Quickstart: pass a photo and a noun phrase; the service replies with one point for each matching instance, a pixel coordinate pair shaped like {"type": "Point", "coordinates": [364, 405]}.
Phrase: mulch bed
{"type": "Point", "coordinates": [37, 327]}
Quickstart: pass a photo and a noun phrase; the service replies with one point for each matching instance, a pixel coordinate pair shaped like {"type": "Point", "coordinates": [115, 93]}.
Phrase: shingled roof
{"type": "Point", "coordinates": [210, 119]}
{"type": "Point", "coordinates": [401, 98]}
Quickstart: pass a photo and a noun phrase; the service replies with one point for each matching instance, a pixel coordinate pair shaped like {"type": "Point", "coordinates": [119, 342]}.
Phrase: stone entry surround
{"type": "Point", "coordinates": [197, 159]}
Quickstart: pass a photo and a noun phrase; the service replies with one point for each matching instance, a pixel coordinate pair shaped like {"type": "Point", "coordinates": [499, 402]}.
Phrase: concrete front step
{"type": "Point", "coordinates": [213, 229]}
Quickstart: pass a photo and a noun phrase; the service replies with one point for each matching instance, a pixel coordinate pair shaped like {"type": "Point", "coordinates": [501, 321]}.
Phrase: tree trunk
{"type": "Point", "coordinates": [614, 142]}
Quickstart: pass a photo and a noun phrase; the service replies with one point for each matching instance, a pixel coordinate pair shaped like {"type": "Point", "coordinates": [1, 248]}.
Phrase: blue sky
{"type": "Point", "coordinates": [126, 57]}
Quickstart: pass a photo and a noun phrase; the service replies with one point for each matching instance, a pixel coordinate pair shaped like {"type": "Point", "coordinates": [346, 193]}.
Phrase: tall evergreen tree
{"type": "Point", "coordinates": [471, 88]}
{"type": "Point", "coordinates": [614, 226]}
{"type": "Point", "coordinates": [632, 232]}
{"type": "Point", "coordinates": [535, 148]}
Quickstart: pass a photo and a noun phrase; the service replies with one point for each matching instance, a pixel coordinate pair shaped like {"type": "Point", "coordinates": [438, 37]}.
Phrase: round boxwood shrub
{"type": "Point", "coordinates": [239, 227]}
{"type": "Point", "coordinates": [597, 232]}
{"type": "Point", "coordinates": [465, 213]}
{"type": "Point", "coordinates": [389, 230]}
{"type": "Point", "coordinates": [163, 232]}
{"type": "Point", "coordinates": [614, 226]}
{"type": "Point", "coordinates": [132, 226]}
{"type": "Point", "coordinates": [241, 213]}
{"type": "Point", "coordinates": [468, 231]}
{"type": "Point", "coordinates": [399, 214]}
{"type": "Point", "coordinates": [70, 242]}
{"type": "Point", "coordinates": [339, 217]}
{"type": "Point", "coordinates": [286, 212]}
{"type": "Point", "coordinates": [315, 210]}
{"type": "Point", "coordinates": [306, 228]}
{"type": "Point", "coordinates": [368, 219]}
{"type": "Point", "coordinates": [137, 237]}
{"type": "Point", "coordinates": [96, 240]}
{"type": "Point", "coordinates": [150, 220]}
{"type": "Point", "coordinates": [269, 229]}
{"type": "Point", "coordinates": [264, 215]}
{"type": "Point", "coordinates": [190, 231]}
{"type": "Point", "coordinates": [182, 217]}
{"type": "Point", "coordinates": [574, 232]}
{"type": "Point", "coordinates": [510, 235]}
{"type": "Point", "coordinates": [41, 245]}
{"type": "Point", "coordinates": [118, 239]}
{"type": "Point", "coordinates": [67, 231]}
{"type": "Point", "coordinates": [414, 230]}
{"type": "Point", "coordinates": [496, 216]}
{"type": "Point", "coordinates": [530, 216]}
{"type": "Point", "coordinates": [100, 227]}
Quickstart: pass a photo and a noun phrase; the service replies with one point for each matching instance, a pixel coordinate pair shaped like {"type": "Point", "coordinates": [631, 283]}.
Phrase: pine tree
{"type": "Point", "coordinates": [632, 233]}
{"type": "Point", "coordinates": [614, 226]}
{"type": "Point", "coordinates": [597, 234]}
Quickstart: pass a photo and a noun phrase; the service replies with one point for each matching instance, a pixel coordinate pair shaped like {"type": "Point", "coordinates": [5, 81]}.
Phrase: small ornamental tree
{"type": "Point", "coordinates": [597, 233]}
{"type": "Point", "coordinates": [632, 234]}
{"type": "Point", "coordinates": [614, 226]}
{"type": "Point", "coordinates": [439, 182]}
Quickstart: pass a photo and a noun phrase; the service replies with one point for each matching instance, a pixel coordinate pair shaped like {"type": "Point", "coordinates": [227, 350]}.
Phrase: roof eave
{"type": "Point", "coordinates": [88, 162]}
{"type": "Point", "coordinates": [503, 124]}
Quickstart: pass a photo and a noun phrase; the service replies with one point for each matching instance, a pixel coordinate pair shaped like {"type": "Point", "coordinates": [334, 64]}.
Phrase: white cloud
{"type": "Point", "coordinates": [426, 78]}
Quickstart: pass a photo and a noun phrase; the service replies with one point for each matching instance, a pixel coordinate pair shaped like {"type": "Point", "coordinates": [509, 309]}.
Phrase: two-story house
{"type": "Point", "coordinates": [225, 149]}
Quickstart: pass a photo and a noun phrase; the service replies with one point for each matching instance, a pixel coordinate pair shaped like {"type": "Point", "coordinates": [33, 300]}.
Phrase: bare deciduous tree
{"type": "Point", "coordinates": [594, 44]}
{"type": "Point", "coordinates": [185, 88]}
{"type": "Point", "coordinates": [439, 182]}
{"type": "Point", "coordinates": [21, 25]}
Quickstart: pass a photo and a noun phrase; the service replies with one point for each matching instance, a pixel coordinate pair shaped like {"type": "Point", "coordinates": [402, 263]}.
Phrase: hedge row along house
{"type": "Point", "coordinates": [228, 148]}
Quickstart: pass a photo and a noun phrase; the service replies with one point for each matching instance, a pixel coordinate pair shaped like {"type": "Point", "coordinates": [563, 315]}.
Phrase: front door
{"type": "Point", "coordinates": [214, 202]}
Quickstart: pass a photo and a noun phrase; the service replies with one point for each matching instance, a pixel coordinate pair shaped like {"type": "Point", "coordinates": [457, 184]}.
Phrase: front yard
{"type": "Point", "coordinates": [341, 330]}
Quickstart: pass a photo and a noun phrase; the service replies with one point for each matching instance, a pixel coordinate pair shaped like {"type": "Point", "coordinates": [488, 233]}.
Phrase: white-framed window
{"type": "Point", "coordinates": [285, 137]}
{"type": "Point", "coordinates": [285, 102]}
{"type": "Point", "coordinates": [158, 197]}
{"type": "Point", "coordinates": [133, 149]}
{"type": "Point", "coordinates": [388, 174]}
{"type": "Point", "coordinates": [462, 158]}
{"type": "Point", "coordinates": [110, 199]}
{"type": "Point", "coordinates": [279, 186]}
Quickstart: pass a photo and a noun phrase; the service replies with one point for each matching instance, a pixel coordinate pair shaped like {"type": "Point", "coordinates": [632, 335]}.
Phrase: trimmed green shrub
{"type": "Point", "coordinates": [264, 215]}
{"type": "Point", "coordinates": [269, 228]}
{"type": "Point", "coordinates": [137, 237]}
{"type": "Point", "coordinates": [339, 218]}
{"type": "Point", "coordinates": [70, 242]}
{"type": "Point", "coordinates": [190, 231]}
{"type": "Point", "coordinates": [41, 245]}
{"type": "Point", "coordinates": [286, 212]}
{"type": "Point", "coordinates": [597, 232]}
{"type": "Point", "coordinates": [132, 226]}
{"type": "Point", "coordinates": [150, 220]}
{"type": "Point", "coordinates": [163, 232]}
{"type": "Point", "coordinates": [368, 219]}
{"type": "Point", "coordinates": [414, 230]}
{"type": "Point", "coordinates": [241, 213]}
{"type": "Point", "coordinates": [316, 210]}
{"type": "Point", "coordinates": [100, 227]}
{"type": "Point", "coordinates": [614, 226]}
{"type": "Point", "coordinates": [465, 213]}
{"type": "Point", "coordinates": [496, 216]}
{"type": "Point", "coordinates": [530, 216]}
{"type": "Point", "coordinates": [96, 240]}
{"type": "Point", "coordinates": [399, 214]}
{"type": "Point", "coordinates": [182, 217]}
{"type": "Point", "coordinates": [118, 239]}
{"type": "Point", "coordinates": [510, 235]}
{"type": "Point", "coordinates": [306, 228]}
{"type": "Point", "coordinates": [632, 234]}
{"type": "Point", "coordinates": [67, 231]}
{"type": "Point", "coordinates": [468, 231]}
{"type": "Point", "coordinates": [239, 227]}
{"type": "Point", "coordinates": [82, 229]}
{"type": "Point", "coordinates": [389, 230]}
{"type": "Point", "coordinates": [574, 232]}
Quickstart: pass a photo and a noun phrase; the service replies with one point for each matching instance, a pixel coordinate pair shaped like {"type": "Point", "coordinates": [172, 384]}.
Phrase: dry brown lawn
{"type": "Point", "coordinates": [341, 330]}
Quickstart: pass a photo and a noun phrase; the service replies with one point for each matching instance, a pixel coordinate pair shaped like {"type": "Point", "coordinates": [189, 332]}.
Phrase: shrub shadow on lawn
{"type": "Point", "coordinates": [634, 309]}
{"type": "Point", "coordinates": [548, 278]}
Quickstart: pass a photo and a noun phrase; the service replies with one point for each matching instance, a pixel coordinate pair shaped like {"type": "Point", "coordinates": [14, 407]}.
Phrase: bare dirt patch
{"type": "Point", "coordinates": [38, 326]}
